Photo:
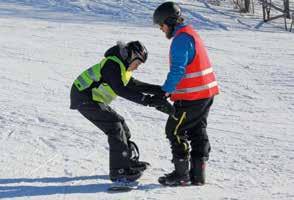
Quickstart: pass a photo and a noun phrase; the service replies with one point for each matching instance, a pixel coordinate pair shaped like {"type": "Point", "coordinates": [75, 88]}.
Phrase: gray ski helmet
{"type": "Point", "coordinates": [167, 13]}
{"type": "Point", "coordinates": [139, 50]}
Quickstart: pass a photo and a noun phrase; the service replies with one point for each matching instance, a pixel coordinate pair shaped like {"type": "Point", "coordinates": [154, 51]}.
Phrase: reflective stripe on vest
{"type": "Point", "coordinates": [199, 80]}
{"type": "Point", "coordinates": [198, 74]}
{"type": "Point", "coordinates": [196, 89]}
{"type": "Point", "coordinates": [104, 92]}
{"type": "Point", "coordinates": [93, 75]}
{"type": "Point", "coordinates": [90, 75]}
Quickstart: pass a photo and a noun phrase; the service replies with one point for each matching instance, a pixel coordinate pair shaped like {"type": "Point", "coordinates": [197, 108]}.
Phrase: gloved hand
{"type": "Point", "coordinates": [167, 108]}
{"type": "Point", "coordinates": [160, 103]}
{"type": "Point", "coordinates": [162, 94]}
{"type": "Point", "coordinates": [153, 101]}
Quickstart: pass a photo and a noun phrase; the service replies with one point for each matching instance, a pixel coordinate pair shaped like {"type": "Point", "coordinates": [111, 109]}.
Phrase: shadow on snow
{"type": "Point", "coordinates": [27, 191]}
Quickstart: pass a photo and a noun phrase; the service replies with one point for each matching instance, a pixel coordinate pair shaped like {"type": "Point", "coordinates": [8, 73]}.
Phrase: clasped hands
{"type": "Point", "coordinates": [160, 103]}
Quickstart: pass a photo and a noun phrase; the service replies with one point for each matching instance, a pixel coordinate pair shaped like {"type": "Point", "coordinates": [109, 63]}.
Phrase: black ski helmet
{"type": "Point", "coordinates": [167, 13]}
{"type": "Point", "coordinates": [139, 50]}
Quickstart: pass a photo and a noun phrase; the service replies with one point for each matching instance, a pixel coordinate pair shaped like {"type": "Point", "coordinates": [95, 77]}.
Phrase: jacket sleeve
{"type": "Point", "coordinates": [179, 57]}
{"type": "Point", "coordinates": [111, 74]}
{"type": "Point", "coordinates": [143, 87]}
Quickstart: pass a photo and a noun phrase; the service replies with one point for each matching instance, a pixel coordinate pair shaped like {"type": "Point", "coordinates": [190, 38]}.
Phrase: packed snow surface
{"type": "Point", "coordinates": [48, 151]}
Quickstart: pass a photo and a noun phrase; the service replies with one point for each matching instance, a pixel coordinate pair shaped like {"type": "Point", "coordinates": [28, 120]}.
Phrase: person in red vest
{"type": "Point", "coordinates": [192, 85]}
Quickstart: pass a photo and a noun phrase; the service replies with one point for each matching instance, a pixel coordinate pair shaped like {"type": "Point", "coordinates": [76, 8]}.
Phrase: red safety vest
{"type": "Point", "coordinates": [199, 81]}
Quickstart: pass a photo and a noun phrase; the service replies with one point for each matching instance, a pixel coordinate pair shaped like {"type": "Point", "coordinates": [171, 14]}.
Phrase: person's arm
{"type": "Point", "coordinates": [111, 74]}
{"type": "Point", "coordinates": [143, 87]}
{"type": "Point", "coordinates": [179, 60]}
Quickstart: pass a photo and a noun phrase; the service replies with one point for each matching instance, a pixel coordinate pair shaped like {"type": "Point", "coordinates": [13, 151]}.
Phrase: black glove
{"type": "Point", "coordinates": [160, 103]}
{"type": "Point", "coordinates": [160, 93]}
{"type": "Point", "coordinates": [153, 101]}
{"type": "Point", "coordinates": [167, 108]}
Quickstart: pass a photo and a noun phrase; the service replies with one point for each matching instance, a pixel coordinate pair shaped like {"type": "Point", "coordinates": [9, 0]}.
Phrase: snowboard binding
{"type": "Point", "coordinates": [134, 157]}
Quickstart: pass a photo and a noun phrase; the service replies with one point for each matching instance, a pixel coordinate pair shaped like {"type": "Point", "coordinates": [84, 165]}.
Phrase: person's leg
{"type": "Point", "coordinates": [199, 155]}
{"type": "Point", "coordinates": [134, 153]}
{"type": "Point", "coordinates": [111, 124]}
{"type": "Point", "coordinates": [126, 128]}
{"type": "Point", "coordinates": [180, 151]}
{"type": "Point", "coordinates": [176, 135]}
{"type": "Point", "coordinates": [189, 115]}
{"type": "Point", "coordinates": [200, 146]}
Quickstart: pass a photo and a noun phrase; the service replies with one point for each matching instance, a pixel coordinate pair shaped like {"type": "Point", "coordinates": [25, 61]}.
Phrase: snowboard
{"type": "Point", "coordinates": [123, 186]}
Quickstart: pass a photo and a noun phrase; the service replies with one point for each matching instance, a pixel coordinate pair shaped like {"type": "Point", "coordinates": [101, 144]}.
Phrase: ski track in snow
{"type": "Point", "coordinates": [50, 152]}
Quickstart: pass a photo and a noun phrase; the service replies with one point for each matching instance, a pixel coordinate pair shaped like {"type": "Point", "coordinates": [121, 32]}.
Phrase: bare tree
{"type": "Point", "coordinates": [243, 5]}
{"type": "Point", "coordinates": [246, 6]}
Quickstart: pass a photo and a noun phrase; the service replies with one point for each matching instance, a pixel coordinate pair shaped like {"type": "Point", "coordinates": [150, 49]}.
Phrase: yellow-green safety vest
{"type": "Point", "coordinates": [104, 92]}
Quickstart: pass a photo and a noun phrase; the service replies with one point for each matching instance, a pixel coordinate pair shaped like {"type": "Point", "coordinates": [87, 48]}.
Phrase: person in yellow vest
{"type": "Point", "coordinates": [94, 90]}
{"type": "Point", "coordinates": [191, 84]}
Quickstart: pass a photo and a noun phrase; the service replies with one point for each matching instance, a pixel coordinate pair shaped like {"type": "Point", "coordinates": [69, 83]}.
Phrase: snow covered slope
{"type": "Point", "coordinates": [50, 152]}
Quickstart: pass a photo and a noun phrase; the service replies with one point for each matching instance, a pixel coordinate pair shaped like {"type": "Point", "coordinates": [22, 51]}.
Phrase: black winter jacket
{"type": "Point", "coordinates": [111, 74]}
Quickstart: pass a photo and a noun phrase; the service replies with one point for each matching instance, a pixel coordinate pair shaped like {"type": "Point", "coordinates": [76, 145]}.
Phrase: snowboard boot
{"type": "Point", "coordinates": [134, 157]}
{"type": "Point", "coordinates": [139, 165]}
{"type": "Point", "coordinates": [179, 177]}
{"type": "Point", "coordinates": [197, 172]}
{"type": "Point", "coordinates": [125, 175]}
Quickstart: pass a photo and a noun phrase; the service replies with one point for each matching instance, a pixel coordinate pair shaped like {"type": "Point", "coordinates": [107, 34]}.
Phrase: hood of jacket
{"type": "Point", "coordinates": [120, 51]}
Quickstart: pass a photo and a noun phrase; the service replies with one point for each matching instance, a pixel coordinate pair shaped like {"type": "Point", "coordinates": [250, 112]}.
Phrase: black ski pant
{"type": "Point", "coordinates": [186, 131]}
{"type": "Point", "coordinates": [114, 126]}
